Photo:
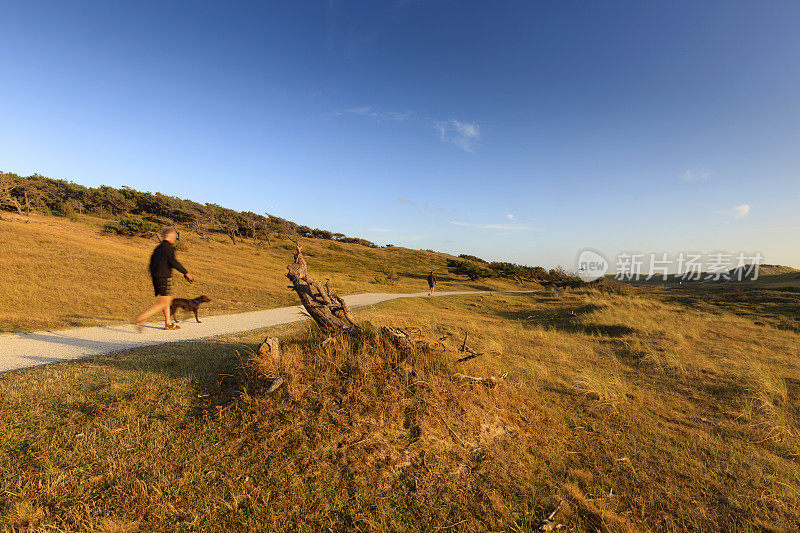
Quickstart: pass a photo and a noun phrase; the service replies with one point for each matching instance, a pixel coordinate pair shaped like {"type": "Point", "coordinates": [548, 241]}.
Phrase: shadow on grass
{"type": "Point", "coordinates": [778, 307]}
{"type": "Point", "coordinates": [568, 318]}
{"type": "Point", "coordinates": [215, 370]}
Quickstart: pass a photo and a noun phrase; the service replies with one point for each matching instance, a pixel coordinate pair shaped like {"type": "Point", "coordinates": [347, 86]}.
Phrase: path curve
{"type": "Point", "coordinates": [23, 350]}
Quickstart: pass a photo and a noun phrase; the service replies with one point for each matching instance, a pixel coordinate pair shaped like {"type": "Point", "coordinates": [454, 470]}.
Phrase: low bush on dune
{"type": "Point", "coordinates": [611, 286]}
{"type": "Point", "coordinates": [47, 196]}
{"type": "Point", "coordinates": [473, 271]}
{"type": "Point", "coordinates": [132, 227]}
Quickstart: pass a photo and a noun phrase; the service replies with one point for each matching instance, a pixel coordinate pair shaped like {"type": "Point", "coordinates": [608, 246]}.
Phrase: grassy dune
{"type": "Point", "coordinates": [637, 412]}
{"type": "Point", "coordinates": [58, 273]}
{"type": "Point", "coordinates": [765, 302]}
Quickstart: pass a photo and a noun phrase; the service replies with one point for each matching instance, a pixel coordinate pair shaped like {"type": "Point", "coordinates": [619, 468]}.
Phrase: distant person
{"type": "Point", "coordinates": [431, 283]}
{"type": "Point", "coordinates": [161, 264]}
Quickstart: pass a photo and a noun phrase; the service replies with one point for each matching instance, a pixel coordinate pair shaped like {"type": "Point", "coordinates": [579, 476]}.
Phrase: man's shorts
{"type": "Point", "coordinates": [162, 286]}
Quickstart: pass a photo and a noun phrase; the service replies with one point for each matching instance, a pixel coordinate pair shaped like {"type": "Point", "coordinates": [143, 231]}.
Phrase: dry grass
{"type": "Point", "coordinates": [608, 387]}
{"type": "Point", "coordinates": [666, 409]}
{"type": "Point", "coordinates": [639, 414]}
{"type": "Point", "coordinates": [58, 273]}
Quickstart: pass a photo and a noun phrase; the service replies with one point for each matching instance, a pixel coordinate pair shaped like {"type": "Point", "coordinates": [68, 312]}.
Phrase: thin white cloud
{"type": "Point", "coordinates": [691, 175]}
{"type": "Point", "coordinates": [380, 116]}
{"type": "Point", "coordinates": [459, 133]}
{"type": "Point", "coordinates": [422, 208]}
{"type": "Point", "coordinates": [740, 211]}
{"type": "Point", "coordinates": [462, 134]}
{"type": "Point", "coordinates": [510, 216]}
{"type": "Point", "coordinates": [501, 227]}
{"type": "Point", "coordinates": [354, 111]}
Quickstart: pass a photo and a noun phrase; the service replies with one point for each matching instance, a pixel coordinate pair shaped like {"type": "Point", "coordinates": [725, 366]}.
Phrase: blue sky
{"type": "Point", "coordinates": [521, 131]}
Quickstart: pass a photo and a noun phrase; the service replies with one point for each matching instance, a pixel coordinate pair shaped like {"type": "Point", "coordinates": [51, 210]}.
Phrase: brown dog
{"type": "Point", "coordinates": [187, 305]}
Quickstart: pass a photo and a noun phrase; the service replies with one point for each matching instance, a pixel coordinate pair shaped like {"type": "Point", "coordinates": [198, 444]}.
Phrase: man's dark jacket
{"type": "Point", "coordinates": [163, 261]}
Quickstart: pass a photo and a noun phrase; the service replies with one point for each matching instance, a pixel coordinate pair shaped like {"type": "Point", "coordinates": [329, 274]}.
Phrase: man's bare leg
{"type": "Point", "coordinates": [167, 318]}
{"type": "Point", "coordinates": [162, 304]}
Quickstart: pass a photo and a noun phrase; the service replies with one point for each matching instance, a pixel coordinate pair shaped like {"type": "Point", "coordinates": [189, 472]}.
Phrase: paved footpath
{"type": "Point", "coordinates": [23, 350]}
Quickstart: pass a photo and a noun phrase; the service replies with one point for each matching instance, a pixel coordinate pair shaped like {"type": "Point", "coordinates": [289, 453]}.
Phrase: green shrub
{"type": "Point", "coordinates": [472, 258]}
{"type": "Point", "coordinates": [132, 227]}
{"type": "Point", "coordinates": [49, 196]}
{"type": "Point", "coordinates": [467, 268]}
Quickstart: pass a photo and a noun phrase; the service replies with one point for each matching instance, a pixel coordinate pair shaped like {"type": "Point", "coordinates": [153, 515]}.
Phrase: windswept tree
{"type": "Point", "coordinates": [230, 225]}
{"type": "Point", "coordinates": [199, 224]}
{"type": "Point", "coordinates": [115, 201]}
{"type": "Point", "coordinates": [9, 184]}
{"type": "Point", "coordinates": [63, 198]}
{"type": "Point", "coordinates": [472, 270]}
{"type": "Point", "coordinates": [33, 196]}
{"type": "Point", "coordinates": [256, 228]}
{"type": "Point", "coordinates": [473, 258]}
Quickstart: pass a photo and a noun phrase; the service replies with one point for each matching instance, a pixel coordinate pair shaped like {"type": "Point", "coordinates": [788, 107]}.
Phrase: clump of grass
{"type": "Point", "coordinates": [391, 274]}
{"type": "Point", "coordinates": [604, 385]}
{"type": "Point", "coordinates": [388, 416]}
{"type": "Point", "coordinates": [770, 399]}
{"type": "Point", "coordinates": [25, 515]}
{"type": "Point", "coordinates": [668, 360]}
{"type": "Point", "coordinates": [770, 388]}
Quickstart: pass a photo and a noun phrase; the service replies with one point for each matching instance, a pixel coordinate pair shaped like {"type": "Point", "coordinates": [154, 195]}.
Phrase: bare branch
{"type": "Point", "coordinates": [331, 312]}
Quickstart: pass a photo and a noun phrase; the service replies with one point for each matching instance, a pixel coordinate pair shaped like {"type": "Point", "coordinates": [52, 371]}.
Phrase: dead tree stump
{"type": "Point", "coordinates": [332, 314]}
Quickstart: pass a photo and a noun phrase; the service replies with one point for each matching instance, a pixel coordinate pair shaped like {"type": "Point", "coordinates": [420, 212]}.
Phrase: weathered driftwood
{"type": "Point", "coordinates": [270, 347]}
{"type": "Point", "coordinates": [489, 382]}
{"type": "Point", "coordinates": [277, 382]}
{"type": "Point", "coordinates": [548, 524]}
{"type": "Point", "coordinates": [328, 310]}
{"type": "Point", "coordinates": [471, 354]}
{"type": "Point", "coordinates": [331, 312]}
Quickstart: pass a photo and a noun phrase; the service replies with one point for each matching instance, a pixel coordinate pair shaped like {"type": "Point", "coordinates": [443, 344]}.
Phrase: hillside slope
{"type": "Point", "coordinates": [58, 272]}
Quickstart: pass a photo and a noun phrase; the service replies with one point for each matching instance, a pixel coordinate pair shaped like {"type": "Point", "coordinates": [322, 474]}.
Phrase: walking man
{"type": "Point", "coordinates": [431, 283]}
{"type": "Point", "coordinates": [161, 264]}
